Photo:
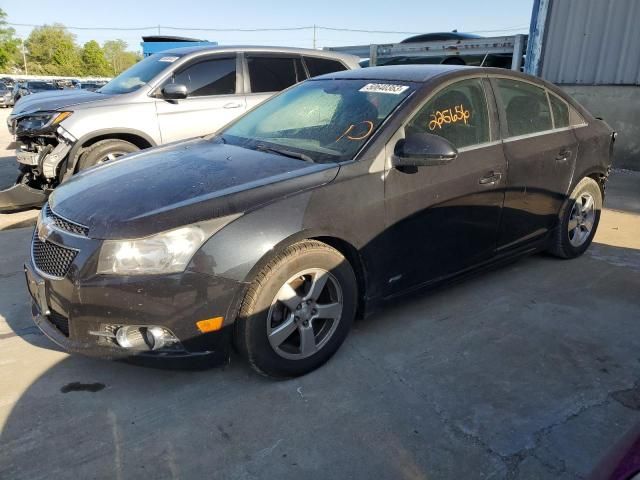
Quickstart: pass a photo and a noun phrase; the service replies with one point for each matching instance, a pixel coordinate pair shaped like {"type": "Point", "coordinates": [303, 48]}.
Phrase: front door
{"type": "Point", "coordinates": [444, 219]}
{"type": "Point", "coordinates": [211, 103]}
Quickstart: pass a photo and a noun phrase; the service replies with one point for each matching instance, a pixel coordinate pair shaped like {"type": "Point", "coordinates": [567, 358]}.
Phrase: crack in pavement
{"type": "Point", "coordinates": [10, 274]}
{"type": "Point", "coordinates": [627, 397]}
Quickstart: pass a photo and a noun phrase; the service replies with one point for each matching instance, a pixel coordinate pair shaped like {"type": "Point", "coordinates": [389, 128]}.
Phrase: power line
{"type": "Point", "coordinates": [280, 29]}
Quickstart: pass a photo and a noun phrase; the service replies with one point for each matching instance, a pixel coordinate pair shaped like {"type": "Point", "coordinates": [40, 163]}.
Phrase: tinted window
{"type": "Point", "coordinates": [40, 86]}
{"type": "Point", "coordinates": [526, 107]}
{"type": "Point", "coordinates": [272, 74]}
{"type": "Point", "coordinates": [320, 66]}
{"type": "Point", "coordinates": [209, 77]}
{"type": "Point", "coordinates": [560, 112]}
{"type": "Point", "coordinates": [458, 113]}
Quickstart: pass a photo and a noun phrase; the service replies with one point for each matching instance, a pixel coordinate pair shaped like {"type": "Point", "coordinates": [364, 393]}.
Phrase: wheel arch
{"type": "Point", "coordinates": [596, 173]}
{"type": "Point", "coordinates": [346, 248]}
{"type": "Point", "coordinates": [137, 137]}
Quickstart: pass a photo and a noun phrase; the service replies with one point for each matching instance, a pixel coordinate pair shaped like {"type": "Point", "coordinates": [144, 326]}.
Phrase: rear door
{"type": "Point", "coordinates": [444, 219]}
{"type": "Point", "coordinates": [541, 152]}
{"type": "Point", "coordinates": [267, 74]}
{"type": "Point", "coordinates": [213, 99]}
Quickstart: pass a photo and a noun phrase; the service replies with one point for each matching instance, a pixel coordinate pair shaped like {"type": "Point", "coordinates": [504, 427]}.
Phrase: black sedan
{"type": "Point", "coordinates": [313, 208]}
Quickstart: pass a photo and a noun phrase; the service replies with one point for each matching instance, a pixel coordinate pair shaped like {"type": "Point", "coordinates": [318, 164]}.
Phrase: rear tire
{"type": "Point", "coordinates": [579, 220]}
{"type": "Point", "coordinates": [105, 150]}
{"type": "Point", "coordinates": [297, 311]}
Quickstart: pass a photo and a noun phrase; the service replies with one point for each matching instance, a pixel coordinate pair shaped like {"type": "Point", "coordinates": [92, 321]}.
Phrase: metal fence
{"type": "Point", "coordinates": [592, 42]}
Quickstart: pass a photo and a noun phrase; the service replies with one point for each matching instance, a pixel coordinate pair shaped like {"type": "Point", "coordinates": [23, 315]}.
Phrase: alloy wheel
{"type": "Point", "coordinates": [582, 219]}
{"type": "Point", "coordinates": [304, 314]}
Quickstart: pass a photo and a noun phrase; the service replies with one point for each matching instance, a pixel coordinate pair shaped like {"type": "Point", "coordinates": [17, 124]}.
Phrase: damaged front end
{"type": "Point", "coordinates": [43, 148]}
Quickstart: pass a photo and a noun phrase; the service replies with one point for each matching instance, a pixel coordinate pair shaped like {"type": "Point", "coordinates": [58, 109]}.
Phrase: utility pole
{"type": "Point", "coordinates": [314, 36]}
{"type": "Point", "coordinates": [24, 57]}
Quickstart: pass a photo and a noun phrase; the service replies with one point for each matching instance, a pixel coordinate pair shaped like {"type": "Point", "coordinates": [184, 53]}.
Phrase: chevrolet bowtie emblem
{"type": "Point", "coordinates": [45, 229]}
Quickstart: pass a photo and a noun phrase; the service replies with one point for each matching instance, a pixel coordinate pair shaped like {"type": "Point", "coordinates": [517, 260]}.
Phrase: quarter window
{"type": "Point", "coordinates": [272, 74]}
{"type": "Point", "coordinates": [209, 77]}
{"type": "Point", "coordinates": [526, 107]}
{"type": "Point", "coordinates": [458, 113]}
{"type": "Point", "coordinates": [560, 112]}
{"type": "Point", "coordinates": [320, 66]}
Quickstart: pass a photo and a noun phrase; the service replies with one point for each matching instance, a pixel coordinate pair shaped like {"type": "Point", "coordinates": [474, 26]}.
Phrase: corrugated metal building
{"type": "Point", "coordinates": [592, 49]}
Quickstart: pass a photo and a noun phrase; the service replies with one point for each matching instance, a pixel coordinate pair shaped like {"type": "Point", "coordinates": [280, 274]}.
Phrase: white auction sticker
{"type": "Point", "coordinates": [168, 59]}
{"type": "Point", "coordinates": [384, 88]}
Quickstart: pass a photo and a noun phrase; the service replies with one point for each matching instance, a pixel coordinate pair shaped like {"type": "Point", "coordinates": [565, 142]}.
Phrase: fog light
{"type": "Point", "coordinates": [144, 338]}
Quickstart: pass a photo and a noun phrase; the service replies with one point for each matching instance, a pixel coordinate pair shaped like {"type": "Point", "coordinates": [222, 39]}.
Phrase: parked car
{"type": "Point", "coordinates": [23, 89]}
{"type": "Point", "coordinates": [6, 98]}
{"type": "Point", "coordinates": [319, 204]}
{"type": "Point", "coordinates": [499, 60]}
{"type": "Point", "coordinates": [173, 95]}
{"type": "Point", "coordinates": [91, 86]}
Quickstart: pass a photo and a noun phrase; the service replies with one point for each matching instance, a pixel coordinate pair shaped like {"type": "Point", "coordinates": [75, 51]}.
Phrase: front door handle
{"type": "Point", "coordinates": [563, 155]}
{"type": "Point", "coordinates": [491, 179]}
{"type": "Point", "coordinates": [232, 105]}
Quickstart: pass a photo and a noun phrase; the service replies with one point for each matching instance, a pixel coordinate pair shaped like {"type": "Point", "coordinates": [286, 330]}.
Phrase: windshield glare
{"type": "Point", "coordinates": [328, 120]}
{"type": "Point", "coordinates": [139, 74]}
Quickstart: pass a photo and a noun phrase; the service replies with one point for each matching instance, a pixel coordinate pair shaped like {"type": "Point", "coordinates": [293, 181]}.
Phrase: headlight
{"type": "Point", "coordinates": [42, 120]}
{"type": "Point", "coordinates": [165, 252]}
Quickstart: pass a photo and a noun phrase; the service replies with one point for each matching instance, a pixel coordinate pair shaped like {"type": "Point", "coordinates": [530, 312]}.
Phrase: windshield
{"type": "Point", "coordinates": [40, 86]}
{"type": "Point", "coordinates": [326, 120]}
{"type": "Point", "coordinates": [139, 74]}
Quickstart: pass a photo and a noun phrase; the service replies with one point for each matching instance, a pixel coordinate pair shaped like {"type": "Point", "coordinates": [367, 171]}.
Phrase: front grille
{"type": "Point", "coordinates": [60, 322]}
{"type": "Point", "coordinates": [50, 258]}
{"type": "Point", "coordinates": [64, 224]}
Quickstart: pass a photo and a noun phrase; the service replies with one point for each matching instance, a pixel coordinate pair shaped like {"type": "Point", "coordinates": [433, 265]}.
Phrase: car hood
{"type": "Point", "coordinates": [55, 100]}
{"type": "Point", "coordinates": [179, 184]}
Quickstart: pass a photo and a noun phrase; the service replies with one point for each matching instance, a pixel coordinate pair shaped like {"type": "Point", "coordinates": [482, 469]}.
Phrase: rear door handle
{"type": "Point", "coordinates": [563, 155]}
{"type": "Point", "coordinates": [491, 179]}
{"type": "Point", "coordinates": [232, 105]}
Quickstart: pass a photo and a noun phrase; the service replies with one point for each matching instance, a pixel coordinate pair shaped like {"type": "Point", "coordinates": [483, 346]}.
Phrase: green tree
{"type": "Point", "coordinates": [52, 50]}
{"type": "Point", "coordinates": [8, 43]}
{"type": "Point", "coordinates": [93, 60]}
{"type": "Point", "coordinates": [118, 58]}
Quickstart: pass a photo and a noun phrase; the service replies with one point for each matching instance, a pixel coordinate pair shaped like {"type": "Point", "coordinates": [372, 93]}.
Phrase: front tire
{"type": "Point", "coordinates": [579, 220]}
{"type": "Point", "coordinates": [105, 150]}
{"type": "Point", "coordinates": [297, 311]}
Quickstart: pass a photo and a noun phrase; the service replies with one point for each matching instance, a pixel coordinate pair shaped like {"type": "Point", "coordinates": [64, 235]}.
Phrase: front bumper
{"type": "Point", "coordinates": [176, 302]}
{"type": "Point", "coordinates": [21, 197]}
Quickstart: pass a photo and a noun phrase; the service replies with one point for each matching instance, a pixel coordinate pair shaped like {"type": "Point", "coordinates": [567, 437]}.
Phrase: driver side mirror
{"type": "Point", "coordinates": [174, 91]}
{"type": "Point", "coordinates": [423, 150]}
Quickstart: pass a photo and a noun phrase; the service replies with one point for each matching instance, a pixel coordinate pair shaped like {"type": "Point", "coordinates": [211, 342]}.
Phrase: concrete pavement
{"type": "Point", "coordinates": [531, 371]}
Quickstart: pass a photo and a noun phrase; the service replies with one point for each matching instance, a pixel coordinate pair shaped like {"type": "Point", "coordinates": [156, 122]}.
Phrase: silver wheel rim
{"type": "Point", "coordinates": [582, 219]}
{"type": "Point", "coordinates": [304, 314]}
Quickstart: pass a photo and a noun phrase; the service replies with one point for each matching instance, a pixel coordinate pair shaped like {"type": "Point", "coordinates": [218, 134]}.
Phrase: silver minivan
{"type": "Point", "coordinates": [168, 96]}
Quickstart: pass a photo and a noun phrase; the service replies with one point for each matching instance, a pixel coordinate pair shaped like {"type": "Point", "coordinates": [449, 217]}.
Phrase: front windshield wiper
{"type": "Point", "coordinates": [284, 153]}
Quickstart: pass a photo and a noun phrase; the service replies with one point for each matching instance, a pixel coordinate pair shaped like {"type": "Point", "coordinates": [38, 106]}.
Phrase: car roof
{"type": "Point", "coordinates": [430, 37]}
{"type": "Point", "coordinates": [419, 73]}
{"type": "Point", "coordinates": [262, 49]}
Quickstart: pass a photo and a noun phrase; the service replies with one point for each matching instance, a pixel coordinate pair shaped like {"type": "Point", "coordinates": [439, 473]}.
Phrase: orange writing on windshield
{"type": "Point", "coordinates": [354, 135]}
{"type": "Point", "coordinates": [455, 115]}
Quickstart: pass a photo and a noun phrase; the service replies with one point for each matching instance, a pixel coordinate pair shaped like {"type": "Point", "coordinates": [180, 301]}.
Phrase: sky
{"type": "Point", "coordinates": [488, 18]}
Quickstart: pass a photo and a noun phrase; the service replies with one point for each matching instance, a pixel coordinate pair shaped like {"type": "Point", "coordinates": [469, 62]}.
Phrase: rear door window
{"type": "Point", "coordinates": [272, 74]}
{"type": "Point", "coordinates": [458, 113]}
{"type": "Point", "coordinates": [525, 107]}
{"type": "Point", "coordinates": [560, 111]}
{"type": "Point", "coordinates": [208, 77]}
{"type": "Point", "coordinates": [319, 66]}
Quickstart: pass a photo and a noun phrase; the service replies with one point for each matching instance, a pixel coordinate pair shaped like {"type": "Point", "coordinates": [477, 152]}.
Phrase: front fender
{"type": "Point", "coordinates": [241, 247]}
